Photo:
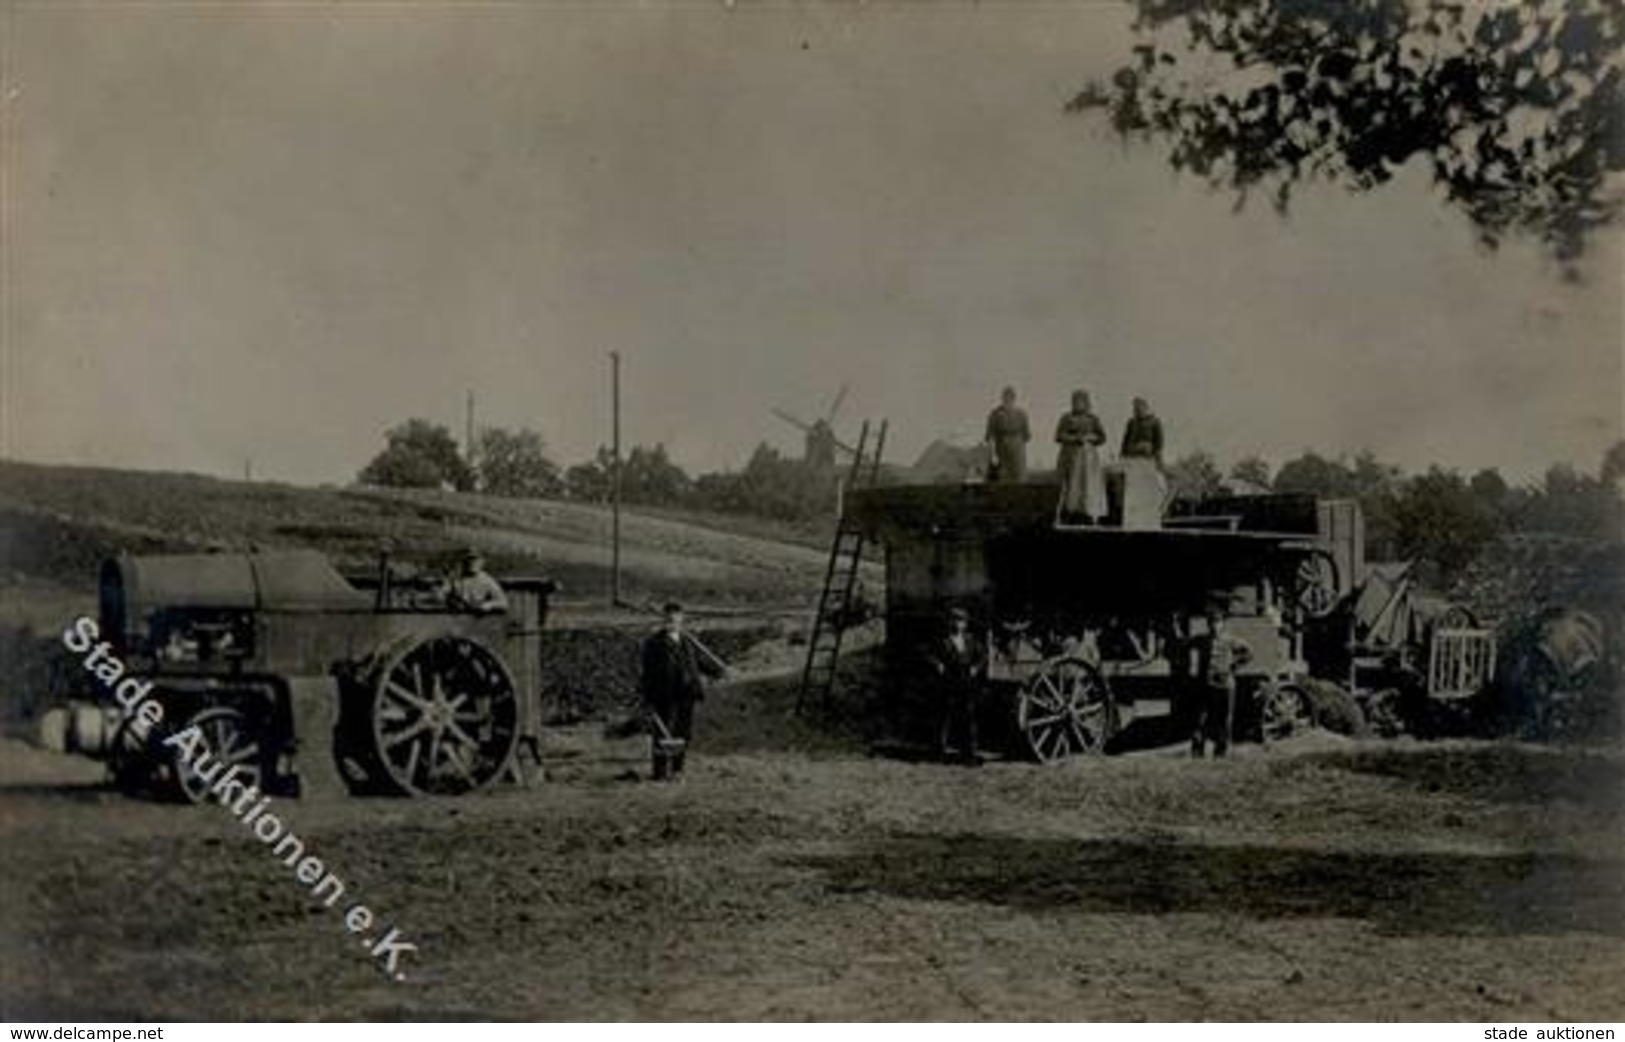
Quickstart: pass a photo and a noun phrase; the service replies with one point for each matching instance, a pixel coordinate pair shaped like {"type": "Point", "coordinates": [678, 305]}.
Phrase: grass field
{"type": "Point", "coordinates": [1326, 879]}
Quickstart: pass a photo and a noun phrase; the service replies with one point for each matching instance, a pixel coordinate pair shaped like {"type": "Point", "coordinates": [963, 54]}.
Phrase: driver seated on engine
{"type": "Point", "coordinates": [473, 589]}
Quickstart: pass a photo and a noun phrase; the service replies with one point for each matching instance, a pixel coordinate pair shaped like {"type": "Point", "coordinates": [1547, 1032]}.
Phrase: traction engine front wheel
{"type": "Point", "coordinates": [233, 748]}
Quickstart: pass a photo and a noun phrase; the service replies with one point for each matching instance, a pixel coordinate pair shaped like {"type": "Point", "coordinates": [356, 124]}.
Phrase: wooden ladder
{"type": "Point", "coordinates": [840, 578]}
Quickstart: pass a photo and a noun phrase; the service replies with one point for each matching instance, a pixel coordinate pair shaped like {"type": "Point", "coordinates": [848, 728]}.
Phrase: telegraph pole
{"type": "Point", "coordinates": [615, 480]}
{"type": "Point", "coordinates": [468, 428]}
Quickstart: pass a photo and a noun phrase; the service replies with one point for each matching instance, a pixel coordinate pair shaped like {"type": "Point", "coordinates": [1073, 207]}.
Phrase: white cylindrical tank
{"type": "Point", "coordinates": [51, 732]}
{"type": "Point", "coordinates": [89, 730]}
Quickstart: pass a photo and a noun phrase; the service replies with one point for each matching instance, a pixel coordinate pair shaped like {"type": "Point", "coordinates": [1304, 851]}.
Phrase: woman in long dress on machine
{"type": "Point", "coordinates": [1083, 484]}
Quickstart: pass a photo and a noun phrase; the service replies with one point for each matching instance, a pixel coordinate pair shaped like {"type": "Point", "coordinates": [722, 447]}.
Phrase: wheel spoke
{"type": "Point", "coordinates": [238, 747]}
{"type": "Point", "coordinates": [454, 757]}
{"type": "Point", "coordinates": [409, 697]}
{"type": "Point", "coordinates": [1048, 696]}
{"type": "Point", "coordinates": [434, 752]}
{"type": "Point", "coordinates": [216, 737]}
{"type": "Point", "coordinates": [412, 759]}
{"type": "Point", "coordinates": [392, 739]}
{"type": "Point", "coordinates": [463, 737]}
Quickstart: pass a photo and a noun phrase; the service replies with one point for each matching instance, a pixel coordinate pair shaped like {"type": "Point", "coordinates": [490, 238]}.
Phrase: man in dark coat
{"type": "Point", "coordinates": [958, 662]}
{"type": "Point", "coordinates": [1008, 434]}
{"type": "Point", "coordinates": [672, 680]}
{"type": "Point", "coordinates": [1219, 654]}
{"type": "Point", "coordinates": [1142, 436]}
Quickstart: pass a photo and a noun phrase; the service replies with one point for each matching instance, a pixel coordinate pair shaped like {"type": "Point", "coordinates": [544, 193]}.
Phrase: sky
{"type": "Point", "coordinates": [269, 233]}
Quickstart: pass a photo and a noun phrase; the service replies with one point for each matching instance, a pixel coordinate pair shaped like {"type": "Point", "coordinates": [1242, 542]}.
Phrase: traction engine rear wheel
{"type": "Point", "coordinates": [443, 718]}
{"type": "Point", "coordinates": [1065, 709]}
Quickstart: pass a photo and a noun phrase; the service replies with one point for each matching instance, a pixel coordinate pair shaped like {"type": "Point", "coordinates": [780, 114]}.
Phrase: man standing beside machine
{"type": "Point", "coordinates": [1219, 654]}
{"type": "Point", "coordinates": [958, 661]}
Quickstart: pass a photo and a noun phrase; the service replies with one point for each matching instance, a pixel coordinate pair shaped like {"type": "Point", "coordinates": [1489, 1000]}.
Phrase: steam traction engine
{"type": "Point", "coordinates": [305, 681]}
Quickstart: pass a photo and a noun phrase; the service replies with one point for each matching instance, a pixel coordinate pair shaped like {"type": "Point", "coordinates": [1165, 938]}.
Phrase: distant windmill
{"type": "Point", "coordinates": [821, 442]}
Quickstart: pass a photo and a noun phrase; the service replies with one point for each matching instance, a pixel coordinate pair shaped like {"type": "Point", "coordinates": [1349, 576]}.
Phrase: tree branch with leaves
{"type": "Point", "coordinates": [1517, 109]}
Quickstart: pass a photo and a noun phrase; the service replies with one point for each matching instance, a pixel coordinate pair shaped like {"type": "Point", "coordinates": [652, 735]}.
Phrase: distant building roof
{"type": "Point", "coordinates": [943, 463]}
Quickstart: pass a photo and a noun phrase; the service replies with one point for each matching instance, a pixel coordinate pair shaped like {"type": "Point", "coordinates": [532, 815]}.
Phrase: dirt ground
{"type": "Point", "coordinates": [1326, 879]}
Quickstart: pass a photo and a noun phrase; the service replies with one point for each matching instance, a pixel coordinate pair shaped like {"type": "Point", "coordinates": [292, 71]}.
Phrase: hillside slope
{"type": "Point", "coordinates": [58, 523]}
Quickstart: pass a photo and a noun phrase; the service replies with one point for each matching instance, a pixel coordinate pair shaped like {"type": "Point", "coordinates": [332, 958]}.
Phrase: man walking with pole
{"type": "Point", "coordinates": [671, 682]}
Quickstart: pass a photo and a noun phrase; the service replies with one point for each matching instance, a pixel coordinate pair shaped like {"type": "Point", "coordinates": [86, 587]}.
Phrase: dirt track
{"type": "Point", "coordinates": [1331, 880]}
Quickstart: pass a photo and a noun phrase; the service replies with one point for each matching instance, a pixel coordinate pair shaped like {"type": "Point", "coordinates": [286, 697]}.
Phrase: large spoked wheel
{"type": "Point", "coordinates": [1065, 710]}
{"type": "Point", "coordinates": [1284, 710]}
{"type": "Point", "coordinates": [233, 748]}
{"type": "Point", "coordinates": [1314, 584]}
{"type": "Point", "coordinates": [443, 719]}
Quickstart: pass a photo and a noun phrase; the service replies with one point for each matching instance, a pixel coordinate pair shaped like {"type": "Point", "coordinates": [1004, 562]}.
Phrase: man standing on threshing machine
{"type": "Point", "coordinates": [958, 660]}
{"type": "Point", "coordinates": [1083, 483]}
{"type": "Point", "coordinates": [1142, 435]}
{"type": "Point", "coordinates": [1008, 435]}
{"type": "Point", "coordinates": [473, 589]}
{"type": "Point", "coordinates": [672, 680]}
{"type": "Point", "coordinates": [1219, 654]}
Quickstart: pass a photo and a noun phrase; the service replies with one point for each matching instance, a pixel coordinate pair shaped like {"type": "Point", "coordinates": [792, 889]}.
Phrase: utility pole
{"type": "Point", "coordinates": [615, 479]}
{"type": "Point", "coordinates": [468, 429]}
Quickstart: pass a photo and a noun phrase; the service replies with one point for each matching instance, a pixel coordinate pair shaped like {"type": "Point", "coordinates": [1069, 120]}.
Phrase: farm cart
{"type": "Point", "coordinates": [306, 682]}
{"type": "Point", "coordinates": [1090, 627]}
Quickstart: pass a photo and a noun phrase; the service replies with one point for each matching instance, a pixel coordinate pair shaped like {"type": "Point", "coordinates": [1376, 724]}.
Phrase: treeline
{"type": "Point", "coordinates": [420, 454]}
{"type": "Point", "coordinates": [1441, 518]}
